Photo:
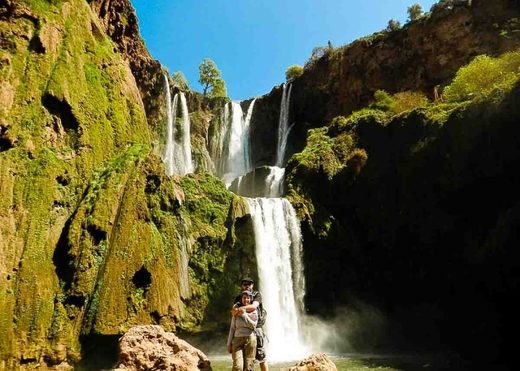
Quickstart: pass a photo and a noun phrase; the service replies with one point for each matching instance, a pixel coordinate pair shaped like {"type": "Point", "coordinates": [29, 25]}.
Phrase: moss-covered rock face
{"type": "Point", "coordinates": [72, 105]}
{"type": "Point", "coordinates": [94, 237]}
{"type": "Point", "coordinates": [423, 221]}
{"type": "Point", "coordinates": [119, 21]}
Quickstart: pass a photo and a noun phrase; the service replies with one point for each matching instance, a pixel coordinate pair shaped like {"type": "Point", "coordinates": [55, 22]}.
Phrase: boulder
{"type": "Point", "coordinates": [315, 362]}
{"type": "Point", "coordinates": [152, 348]}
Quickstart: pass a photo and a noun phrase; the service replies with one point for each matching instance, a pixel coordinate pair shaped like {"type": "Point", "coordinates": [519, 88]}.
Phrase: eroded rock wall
{"type": "Point", "coordinates": [94, 237]}
{"type": "Point", "coordinates": [419, 56]}
{"type": "Point", "coordinates": [425, 223]}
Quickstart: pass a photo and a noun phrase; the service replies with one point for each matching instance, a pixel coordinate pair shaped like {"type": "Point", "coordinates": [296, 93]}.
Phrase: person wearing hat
{"type": "Point", "coordinates": [242, 337]}
{"type": "Point", "coordinates": [247, 284]}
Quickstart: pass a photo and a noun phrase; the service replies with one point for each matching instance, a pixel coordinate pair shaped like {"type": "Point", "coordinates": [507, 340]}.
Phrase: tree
{"type": "Point", "coordinates": [179, 81]}
{"type": "Point", "coordinates": [393, 25]}
{"type": "Point", "coordinates": [316, 54]}
{"type": "Point", "coordinates": [219, 89]}
{"type": "Point", "coordinates": [293, 72]}
{"type": "Point", "coordinates": [210, 77]}
{"type": "Point", "coordinates": [414, 12]}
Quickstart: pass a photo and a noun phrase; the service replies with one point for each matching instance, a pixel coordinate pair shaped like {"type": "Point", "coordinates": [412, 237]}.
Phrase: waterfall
{"type": "Point", "coordinates": [278, 254]}
{"type": "Point", "coordinates": [277, 230]}
{"type": "Point", "coordinates": [171, 113]}
{"type": "Point", "coordinates": [283, 125]}
{"type": "Point", "coordinates": [231, 151]}
{"type": "Point", "coordinates": [185, 164]}
{"type": "Point", "coordinates": [217, 144]}
{"type": "Point", "coordinates": [177, 153]}
{"type": "Point", "coordinates": [274, 181]}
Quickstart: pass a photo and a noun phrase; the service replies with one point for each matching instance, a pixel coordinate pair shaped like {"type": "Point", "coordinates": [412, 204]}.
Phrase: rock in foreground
{"type": "Point", "coordinates": [152, 348]}
{"type": "Point", "coordinates": [315, 362]}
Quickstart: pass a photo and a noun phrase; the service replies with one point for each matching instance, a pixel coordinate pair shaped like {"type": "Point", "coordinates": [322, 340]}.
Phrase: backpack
{"type": "Point", "coordinates": [262, 313]}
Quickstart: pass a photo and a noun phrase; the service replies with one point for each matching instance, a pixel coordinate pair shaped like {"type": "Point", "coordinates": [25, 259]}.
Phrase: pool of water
{"type": "Point", "coordinates": [366, 362]}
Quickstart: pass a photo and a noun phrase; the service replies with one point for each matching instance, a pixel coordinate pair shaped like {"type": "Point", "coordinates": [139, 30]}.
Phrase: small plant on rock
{"type": "Point", "coordinates": [293, 72]}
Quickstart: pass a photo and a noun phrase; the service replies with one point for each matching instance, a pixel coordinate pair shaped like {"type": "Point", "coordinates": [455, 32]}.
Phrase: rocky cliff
{"type": "Point", "coordinates": [119, 22]}
{"type": "Point", "coordinates": [94, 236]}
{"type": "Point", "coordinates": [422, 211]}
{"type": "Point", "coordinates": [420, 56]}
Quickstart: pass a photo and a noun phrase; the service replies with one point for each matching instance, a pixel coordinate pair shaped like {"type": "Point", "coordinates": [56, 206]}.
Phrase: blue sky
{"type": "Point", "coordinates": [254, 41]}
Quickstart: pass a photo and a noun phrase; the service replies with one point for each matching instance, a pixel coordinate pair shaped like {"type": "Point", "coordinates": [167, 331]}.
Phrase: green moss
{"type": "Point", "coordinates": [206, 203]}
{"type": "Point", "coordinates": [45, 175]}
{"type": "Point", "coordinates": [323, 153]}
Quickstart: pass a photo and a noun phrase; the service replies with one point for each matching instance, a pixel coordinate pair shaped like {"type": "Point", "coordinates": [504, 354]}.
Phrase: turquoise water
{"type": "Point", "coordinates": [366, 362]}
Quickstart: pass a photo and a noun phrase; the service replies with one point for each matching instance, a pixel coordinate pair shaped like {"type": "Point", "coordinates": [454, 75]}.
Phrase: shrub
{"type": "Point", "coordinates": [179, 81]}
{"type": "Point", "coordinates": [414, 12]}
{"type": "Point", "coordinates": [408, 100]}
{"type": "Point", "coordinates": [484, 76]}
{"type": "Point", "coordinates": [399, 102]}
{"type": "Point", "coordinates": [317, 53]}
{"type": "Point", "coordinates": [383, 100]}
{"type": "Point", "coordinates": [393, 25]}
{"type": "Point", "coordinates": [292, 72]}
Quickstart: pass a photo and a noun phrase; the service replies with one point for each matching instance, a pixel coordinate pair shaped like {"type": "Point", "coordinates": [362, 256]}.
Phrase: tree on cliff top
{"type": "Point", "coordinates": [393, 25]}
{"type": "Point", "coordinates": [179, 81]}
{"type": "Point", "coordinates": [210, 77]}
{"type": "Point", "coordinates": [293, 72]}
{"type": "Point", "coordinates": [414, 12]}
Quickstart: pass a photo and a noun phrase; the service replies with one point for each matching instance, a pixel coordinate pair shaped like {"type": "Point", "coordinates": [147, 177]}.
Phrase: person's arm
{"type": "Point", "coordinates": [231, 334]}
{"type": "Point", "coordinates": [254, 305]}
{"type": "Point", "coordinates": [251, 319]}
{"type": "Point", "coordinates": [250, 307]}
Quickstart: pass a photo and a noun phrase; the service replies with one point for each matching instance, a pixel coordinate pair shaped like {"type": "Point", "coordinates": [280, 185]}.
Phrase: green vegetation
{"type": "Point", "coordinates": [329, 148]}
{"type": "Point", "coordinates": [179, 81]}
{"type": "Point", "coordinates": [210, 78]}
{"type": "Point", "coordinates": [317, 53]}
{"type": "Point", "coordinates": [292, 72]}
{"type": "Point", "coordinates": [393, 25]}
{"type": "Point", "coordinates": [414, 12]}
{"type": "Point", "coordinates": [484, 77]}
{"type": "Point", "coordinates": [399, 102]}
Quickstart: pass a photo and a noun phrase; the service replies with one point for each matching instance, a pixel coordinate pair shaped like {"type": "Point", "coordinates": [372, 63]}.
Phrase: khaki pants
{"type": "Point", "coordinates": [246, 344]}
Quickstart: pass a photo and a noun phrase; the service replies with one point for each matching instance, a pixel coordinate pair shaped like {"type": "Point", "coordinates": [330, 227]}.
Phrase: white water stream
{"type": "Point", "coordinates": [277, 231]}
{"type": "Point", "coordinates": [280, 270]}
{"type": "Point", "coordinates": [177, 153]}
{"type": "Point", "coordinates": [283, 125]}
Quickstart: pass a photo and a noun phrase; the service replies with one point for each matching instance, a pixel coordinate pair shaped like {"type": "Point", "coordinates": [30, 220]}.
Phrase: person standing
{"type": "Point", "coordinates": [247, 284]}
{"type": "Point", "coordinates": [242, 337]}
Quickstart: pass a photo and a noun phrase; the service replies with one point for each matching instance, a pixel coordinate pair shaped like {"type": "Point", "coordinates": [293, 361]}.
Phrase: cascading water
{"type": "Point", "coordinates": [283, 125]}
{"type": "Point", "coordinates": [185, 165]}
{"type": "Point", "coordinates": [171, 113]}
{"type": "Point", "coordinates": [278, 254]}
{"type": "Point", "coordinates": [277, 232]}
{"type": "Point", "coordinates": [177, 153]}
{"type": "Point", "coordinates": [274, 181]}
{"type": "Point", "coordinates": [231, 149]}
